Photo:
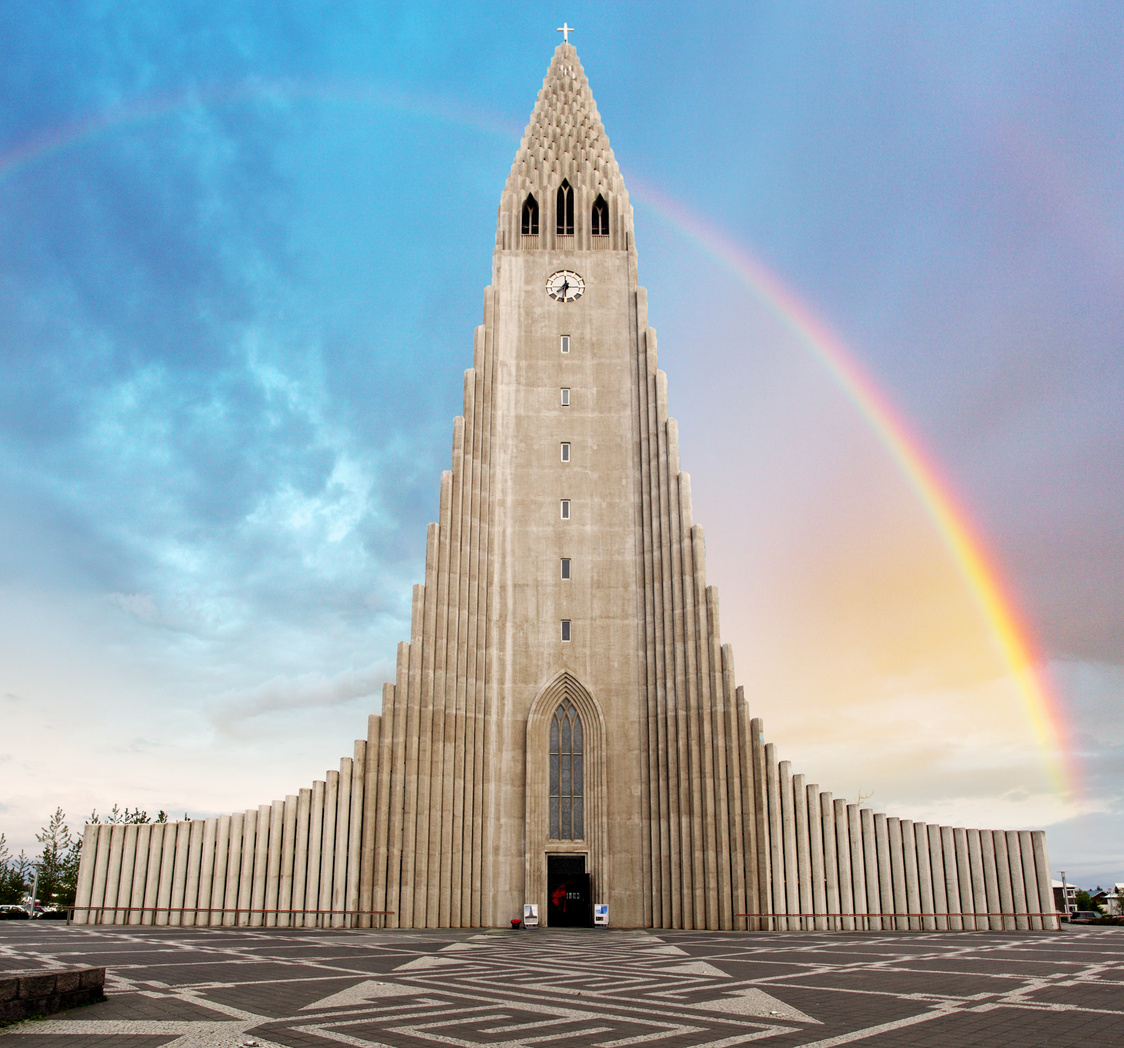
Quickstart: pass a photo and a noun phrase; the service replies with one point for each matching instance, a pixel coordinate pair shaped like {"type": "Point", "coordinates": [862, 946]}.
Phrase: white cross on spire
{"type": "Point", "coordinates": [565, 30]}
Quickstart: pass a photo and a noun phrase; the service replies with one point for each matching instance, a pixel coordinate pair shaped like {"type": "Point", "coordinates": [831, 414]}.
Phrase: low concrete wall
{"type": "Point", "coordinates": [43, 991]}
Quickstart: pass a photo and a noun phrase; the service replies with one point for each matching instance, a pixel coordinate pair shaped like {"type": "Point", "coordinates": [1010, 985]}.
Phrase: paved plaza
{"type": "Point", "coordinates": [423, 989]}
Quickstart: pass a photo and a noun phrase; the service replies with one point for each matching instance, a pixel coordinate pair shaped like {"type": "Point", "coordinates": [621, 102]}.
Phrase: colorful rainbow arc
{"type": "Point", "coordinates": [894, 433]}
{"type": "Point", "coordinates": [905, 448]}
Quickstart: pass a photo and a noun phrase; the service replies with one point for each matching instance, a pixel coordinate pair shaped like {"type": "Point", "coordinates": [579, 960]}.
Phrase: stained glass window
{"type": "Point", "coordinates": [567, 821]}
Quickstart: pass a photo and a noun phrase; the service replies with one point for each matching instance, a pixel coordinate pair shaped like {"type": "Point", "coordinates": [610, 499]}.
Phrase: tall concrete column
{"type": "Point", "coordinates": [179, 872]}
{"type": "Point", "coordinates": [1018, 888]}
{"type": "Point", "coordinates": [964, 877]}
{"type": "Point", "coordinates": [776, 838]}
{"type": "Point", "coordinates": [1003, 875]}
{"type": "Point", "coordinates": [940, 885]}
{"type": "Point", "coordinates": [1030, 880]}
{"type": "Point", "coordinates": [84, 887]}
{"type": "Point", "coordinates": [113, 873]}
{"type": "Point", "coordinates": [925, 876]}
{"type": "Point", "coordinates": [315, 851]}
{"type": "Point", "coordinates": [355, 836]}
{"type": "Point", "coordinates": [222, 859]}
{"type": "Point", "coordinates": [885, 870]}
{"type": "Point", "coordinates": [125, 881]}
{"type": "Point", "coordinates": [1045, 883]}
{"type": "Point", "coordinates": [979, 886]}
{"type": "Point", "coordinates": [288, 862]}
{"type": "Point", "coordinates": [858, 865]}
{"type": "Point", "coordinates": [300, 856]}
{"type": "Point", "coordinates": [870, 869]}
{"type": "Point", "coordinates": [343, 835]}
{"type": "Point", "coordinates": [912, 881]}
{"type": "Point", "coordinates": [843, 856]}
{"type": "Point", "coordinates": [830, 861]}
{"type": "Point", "coordinates": [273, 863]}
{"type": "Point", "coordinates": [233, 869]}
{"type": "Point", "coordinates": [251, 831]}
{"type": "Point", "coordinates": [152, 872]}
{"type": "Point", "coordinates": [951, 880]}
{"type": "Point", "coordinates": [803, 849]}
{"type": "Point", "coordinates": [167, 872]}
{"type": "Point", "coordinates": [206, 870]}
{"type": "Point", "coordinates": [194, 867]}
{"type": "Point", "coordinates": [815, 843]}
{"type": "Point", "coordinates": [101, 870]}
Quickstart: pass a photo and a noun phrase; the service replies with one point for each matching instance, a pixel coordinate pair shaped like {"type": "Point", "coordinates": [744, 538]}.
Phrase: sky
{"type": "Point", "coordinates": [243, 249]}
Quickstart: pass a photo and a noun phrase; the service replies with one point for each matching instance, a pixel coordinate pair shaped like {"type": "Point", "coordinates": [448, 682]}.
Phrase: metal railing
{"type": "Point", "coordinates": [888, 916]}
{"type": "Point", "coordinates": [235, 912]}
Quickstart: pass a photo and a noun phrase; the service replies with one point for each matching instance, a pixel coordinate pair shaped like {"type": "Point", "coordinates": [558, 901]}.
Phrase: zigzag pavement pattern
{"type": "Point", "coordinates": [272, 987]}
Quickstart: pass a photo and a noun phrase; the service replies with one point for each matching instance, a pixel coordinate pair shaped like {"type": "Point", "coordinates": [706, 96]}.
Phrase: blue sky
{"type": "Point", "coordinates": [242, 251]}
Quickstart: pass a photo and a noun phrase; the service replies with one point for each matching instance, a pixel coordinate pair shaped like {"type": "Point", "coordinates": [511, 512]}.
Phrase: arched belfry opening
{"type": "Point", "coordinates": [565, 799]}
{"type": "Point", "coordinates": [599, 219]}
{"type": "Point", "coordinates": [565, 209]}
{"type": "Point", "coordinates": [530, 224]}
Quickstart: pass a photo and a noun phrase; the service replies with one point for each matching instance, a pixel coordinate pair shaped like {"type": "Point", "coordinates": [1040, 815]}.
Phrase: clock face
{"type": "Point", "coordinates": [565, 285]}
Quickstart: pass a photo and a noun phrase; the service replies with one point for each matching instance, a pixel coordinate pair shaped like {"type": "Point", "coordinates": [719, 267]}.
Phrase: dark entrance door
{"type": "Point", "coordinates": [568, 903]}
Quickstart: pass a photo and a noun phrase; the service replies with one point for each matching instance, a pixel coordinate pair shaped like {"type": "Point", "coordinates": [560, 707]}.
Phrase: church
{"type": "Point", "coordinates": [564, 729]}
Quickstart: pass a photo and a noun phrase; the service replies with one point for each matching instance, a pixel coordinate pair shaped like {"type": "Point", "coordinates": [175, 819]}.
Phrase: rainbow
{"type": "Point", "coordinates": [952, 521]}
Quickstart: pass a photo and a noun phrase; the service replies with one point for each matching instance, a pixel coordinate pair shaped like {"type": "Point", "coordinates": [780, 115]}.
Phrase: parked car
{"type": "Point", "coordinates": [52, 914]}
{"type": "Point", "coordinates": [11, 912]}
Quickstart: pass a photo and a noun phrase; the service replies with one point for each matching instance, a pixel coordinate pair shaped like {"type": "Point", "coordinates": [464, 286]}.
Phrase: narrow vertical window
{"type": "Point", "coordinates": [565, 397]}
{"type": "Point", "coordinates": [567, 781]}
{"type": "Point", "coordinates": [565, 451]}
{"type": "Point", "coordinates": [565, 629]}
{"type": "Point", "coordinates": [565, 209]}
{"type": "Point", "coordinates": [566, 568]}
{"type": "Point", "coordinates": [600, 217]}
{"type": "Point", "coordinates": [565, 343]}
{"type": "Point", "coordinates": [565, 509]}
{"type": "Point", "coordinates": [530, 216]}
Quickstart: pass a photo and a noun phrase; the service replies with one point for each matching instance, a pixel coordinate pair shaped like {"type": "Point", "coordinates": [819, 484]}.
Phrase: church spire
{"type": "Point", "coordinates": [565, 141]}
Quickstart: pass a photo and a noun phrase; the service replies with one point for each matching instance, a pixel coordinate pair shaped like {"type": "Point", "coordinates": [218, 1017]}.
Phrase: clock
{"type": "Point", "coordinates": [565, 285]}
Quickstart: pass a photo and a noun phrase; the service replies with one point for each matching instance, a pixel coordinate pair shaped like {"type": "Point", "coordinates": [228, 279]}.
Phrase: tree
{"type": "Point", "coordinates": [14, 875]}
{"type": "Point", "coordinates": [1084, 900]}
{"type": "Point", "coordinates": [58, 861]}
{"type": "Point", "coordinates": [117, 817]}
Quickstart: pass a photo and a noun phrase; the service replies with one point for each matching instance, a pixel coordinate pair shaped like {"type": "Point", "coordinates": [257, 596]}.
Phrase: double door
{"type": "Point", "coordinates": [568, 898]}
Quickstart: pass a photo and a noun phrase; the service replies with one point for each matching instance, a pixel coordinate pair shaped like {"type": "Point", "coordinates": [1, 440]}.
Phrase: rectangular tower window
{"type": "Point", "coordinates": [565, 509]}
{"type": "Point", "coordinates": [565, 451]}
{"type": "Point", "coordinates": [565, 567]}
{"type": "Point", "coordinates": [565, 398]}
{"type": "Point", "coordinates": [565, 629]}
{"type": "Point", "coordinates": [565, 343]}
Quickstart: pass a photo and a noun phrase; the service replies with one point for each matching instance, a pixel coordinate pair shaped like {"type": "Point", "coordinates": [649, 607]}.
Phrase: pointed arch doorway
{"type": "Point", "coordinates": [566, 861]}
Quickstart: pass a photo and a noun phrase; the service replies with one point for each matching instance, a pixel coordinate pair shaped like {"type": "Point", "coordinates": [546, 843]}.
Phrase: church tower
{"type": "Point", "coordinates": [564, 727]}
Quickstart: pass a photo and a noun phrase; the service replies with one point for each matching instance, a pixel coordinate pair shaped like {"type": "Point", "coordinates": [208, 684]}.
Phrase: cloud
{"type": "Point", "coordinates": [308, 690]}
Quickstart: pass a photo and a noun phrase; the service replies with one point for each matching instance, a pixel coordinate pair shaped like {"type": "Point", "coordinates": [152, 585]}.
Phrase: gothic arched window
{"type": "Point", "coordinates": [530, 216]}
{"type": "Point", "coordinates": [567, 787]}
{"type": "Point", "coordinates": [565, 210]}
{"type": "Point", "coordinates": [600, 217]}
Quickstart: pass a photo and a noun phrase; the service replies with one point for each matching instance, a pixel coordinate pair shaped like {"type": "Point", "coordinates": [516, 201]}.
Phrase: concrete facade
{"type": "Point", "coordinates": [448, 812]}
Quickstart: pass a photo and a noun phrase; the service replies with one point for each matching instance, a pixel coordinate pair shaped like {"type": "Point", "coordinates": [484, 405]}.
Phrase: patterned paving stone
{"type": "Point", "coordinates": [221, 988]}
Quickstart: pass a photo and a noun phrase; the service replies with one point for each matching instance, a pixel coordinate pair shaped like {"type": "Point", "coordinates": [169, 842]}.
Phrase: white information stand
{"type": "Point", "coordinates": [530, 915]}
{"type": "Point", "coordinates": [601, 915]}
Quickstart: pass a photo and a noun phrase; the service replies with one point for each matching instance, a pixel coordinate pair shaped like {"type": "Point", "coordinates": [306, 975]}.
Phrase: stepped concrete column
{"type": "Point", "coordinates": [815, 837]}
{"type": "Point", "coordinates": [1018, 887]}
{"type": "Point", "coordinates": [1003, 875]}
{"type": "Point", "coordinates": [843, 855]}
